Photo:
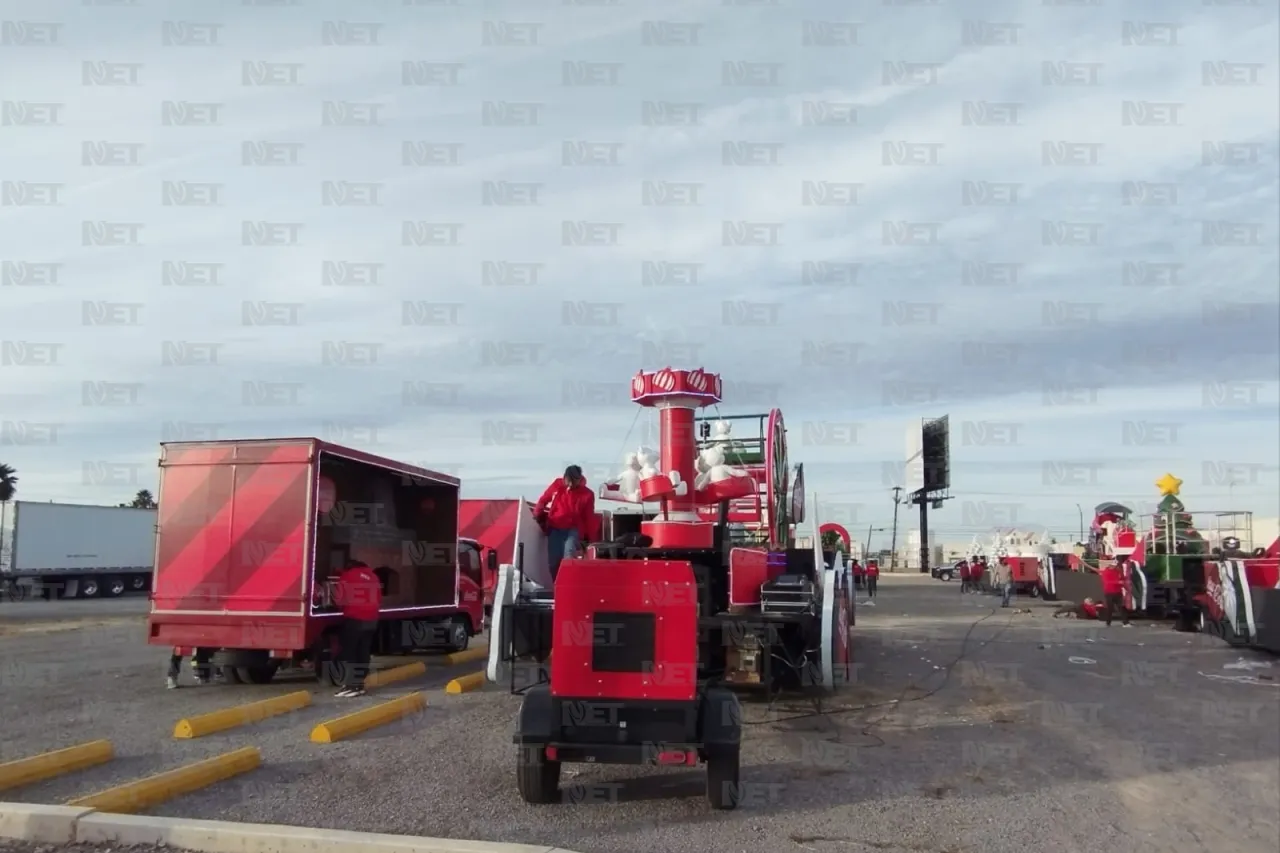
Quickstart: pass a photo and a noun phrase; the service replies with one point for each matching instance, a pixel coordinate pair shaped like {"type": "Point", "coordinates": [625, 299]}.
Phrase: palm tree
{"type": "Point", "coordinates": [8, 488]}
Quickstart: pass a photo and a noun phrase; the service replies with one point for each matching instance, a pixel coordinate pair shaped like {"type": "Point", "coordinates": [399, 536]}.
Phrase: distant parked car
{"type": "Point", "coordinates": [946, 573]}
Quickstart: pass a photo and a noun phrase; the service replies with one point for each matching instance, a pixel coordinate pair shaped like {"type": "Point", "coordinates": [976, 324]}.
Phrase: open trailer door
{"type": "Point", "coordinates": [508, 642]}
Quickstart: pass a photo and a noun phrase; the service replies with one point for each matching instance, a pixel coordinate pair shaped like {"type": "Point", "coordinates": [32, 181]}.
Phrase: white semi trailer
{"type": "Point", "coordinates": [76, 551]}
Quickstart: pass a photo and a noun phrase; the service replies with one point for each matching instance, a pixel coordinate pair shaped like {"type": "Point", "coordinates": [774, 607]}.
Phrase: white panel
{"type": "Point", "coordinates": [529, 534]}
{"type": "Point", "coordinates": [74, 537]}
{"type": "Point", "coordinates": [499, 669]}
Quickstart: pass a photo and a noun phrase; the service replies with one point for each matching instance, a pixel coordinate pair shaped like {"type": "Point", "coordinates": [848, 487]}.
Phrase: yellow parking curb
{"type": "Point", "coordinates": [469, 656]}
{"type": "Point", "coordinates": [240, 715]}
{"type": "Point", "coordinates": [397, 673]}
{"type": "Point", "coordinates": [133, 797]}
{"type": "Point", "coordinates": [46, 765]}
{"type": "Point", "coordinates": [338, 729]}
{"type": "Point", "coordinates": [466, 683]}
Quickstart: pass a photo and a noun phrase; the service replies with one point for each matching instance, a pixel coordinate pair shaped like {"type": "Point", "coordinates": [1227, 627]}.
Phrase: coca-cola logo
{"type": "Point", "coordinates": [665, 380]}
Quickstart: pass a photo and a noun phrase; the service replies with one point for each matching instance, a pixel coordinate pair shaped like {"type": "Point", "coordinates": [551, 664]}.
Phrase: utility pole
{"type": "Point", "coordinates": [893, 542]}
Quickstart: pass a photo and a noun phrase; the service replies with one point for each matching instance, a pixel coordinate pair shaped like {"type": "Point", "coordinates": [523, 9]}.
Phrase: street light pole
{"type": "Point", "coordinates": [1081, 514]}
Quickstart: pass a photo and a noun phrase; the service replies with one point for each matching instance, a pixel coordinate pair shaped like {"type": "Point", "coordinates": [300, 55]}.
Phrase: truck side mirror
{"type": "Point", "coordinates": [492, 560]}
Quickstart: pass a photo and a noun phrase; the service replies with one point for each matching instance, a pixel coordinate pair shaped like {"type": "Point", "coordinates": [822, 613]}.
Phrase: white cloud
{"type": "Point", "coordinates": [952, 295]}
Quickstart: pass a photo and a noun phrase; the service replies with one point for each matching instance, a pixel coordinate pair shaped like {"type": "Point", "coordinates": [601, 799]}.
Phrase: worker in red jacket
{"type": "Point", "coordinates": [965, 574]}
{"type": "Point", "coordinates": [1113, 590]}
{"type": "Point", "coordinates": [359, 594]}
{"type": "Point", "coordinates": [567, 512]}
{"type": "Point", "coordinates": [873, 575]}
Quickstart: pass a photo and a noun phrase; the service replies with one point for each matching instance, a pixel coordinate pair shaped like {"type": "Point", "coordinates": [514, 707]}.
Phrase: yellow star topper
{"type": "Point", "coordinates": [1169, 485]}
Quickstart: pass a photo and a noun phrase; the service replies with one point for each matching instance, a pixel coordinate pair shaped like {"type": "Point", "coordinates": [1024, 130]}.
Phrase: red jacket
{"type": "Point", "coordinates": [873, 571]}
{"type": "Point", "coordinates": [964, 570]}
{"type": "Point", "coordinates": [1112, 580]}
{"type": "Point", "coordinates": [569, 509]}
{"type": "Point", "coordinates": [359, 594]}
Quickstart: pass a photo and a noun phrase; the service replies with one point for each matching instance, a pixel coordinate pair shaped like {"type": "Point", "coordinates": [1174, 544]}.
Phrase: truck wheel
{"type": "Point", "coordinates": [88, 588]}
{"type": "Point", "coordinates": [723, 790]}
{"type": "Point", "coordinates": [115, 587]}
{"type": "Point", "coordinates": [262, 674]}
{"type": "Point", "coordinates": [459, 633]}
{"type": "Point", "coordinates": [138, 583]}
{"type": "Point", "coordinates": [231, 674]}
{"type": "Point", "coordinates": [537, 778]}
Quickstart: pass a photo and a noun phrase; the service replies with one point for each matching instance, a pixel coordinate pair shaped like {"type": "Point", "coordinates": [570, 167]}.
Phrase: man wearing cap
{"type": "Point", "coordinates": [567, 512]}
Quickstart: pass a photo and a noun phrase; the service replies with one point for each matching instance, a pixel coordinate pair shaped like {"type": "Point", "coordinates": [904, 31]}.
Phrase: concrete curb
{"type": "Point", "coordinates": [63, 824]}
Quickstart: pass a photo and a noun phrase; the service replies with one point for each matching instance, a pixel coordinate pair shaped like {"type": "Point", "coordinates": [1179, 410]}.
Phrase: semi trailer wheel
{"type": "Point", "coordinates": [115, 587]}
{"type": "Point", "coordinates": [88, 588]}
{"type": "Point", "coordinates": [537, 777]}
{"type": "Point", "coordinates": [723, 790]}
{"type": "Point", "coordinates": [137, 583]}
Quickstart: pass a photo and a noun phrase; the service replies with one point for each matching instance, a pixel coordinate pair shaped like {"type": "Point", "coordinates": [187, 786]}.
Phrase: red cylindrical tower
{"type": "Point", "coordinates": [677, 394]}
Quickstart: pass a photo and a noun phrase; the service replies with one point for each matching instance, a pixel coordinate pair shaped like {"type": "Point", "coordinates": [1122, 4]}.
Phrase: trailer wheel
{"type": "Point", "coordinates": [537, 777]}
{"type": "Point", "coordinates": [88, 588]}
{"type": "Point", "coordinates": [137, 583]}
{"type": "Point", "coordinates": [1035, 591]}
{"type": "Point", "coordinates": [262, 674]}
{"type": "Point", "coordinates": [115, 587]}
{"type": "Point", "coordinates": [232, 675]}
{"type": "Point", "coordinates": [723, 790]}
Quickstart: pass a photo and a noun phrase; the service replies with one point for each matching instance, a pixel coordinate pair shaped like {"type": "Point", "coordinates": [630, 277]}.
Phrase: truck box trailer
{"type": "Point", "coordinates": [59, 550]}
{"type": "Point", "coordinates": [253, 533]}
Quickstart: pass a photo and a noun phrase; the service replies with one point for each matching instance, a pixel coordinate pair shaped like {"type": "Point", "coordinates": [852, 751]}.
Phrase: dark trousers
{"type": "Point", "coordinates": [199, 664]}
{"type": "Point", "coordinates": [1113, 602]}
{"type": "Point", "coordinates": [357, 651]}
{"type": "Point", "coordinates": [964, 585]}
{"type": "Point", "coordinates": [871, 587]}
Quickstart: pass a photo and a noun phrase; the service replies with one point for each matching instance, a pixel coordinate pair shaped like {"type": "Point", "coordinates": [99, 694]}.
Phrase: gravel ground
{"type": "Point", "coordinates": [23, 847]}
{"type": "Point", "coordinates": [998, 742]}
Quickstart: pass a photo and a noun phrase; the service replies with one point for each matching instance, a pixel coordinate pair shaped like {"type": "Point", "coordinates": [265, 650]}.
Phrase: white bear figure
{"type": "Point", "coordinates": [628, 482]}
{"type": "Point", "coordinates": [682, 488]}
{"type": "Point", "coordinates": [716, 471]}
{"type": "Point", "coordinates": [648, 460]}
{"type": "Point", "coordinates": [706, 461]}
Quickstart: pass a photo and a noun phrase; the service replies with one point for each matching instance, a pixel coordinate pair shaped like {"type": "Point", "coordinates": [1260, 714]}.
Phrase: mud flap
{"type": "Point", "coordinates": [835, 630]}
{"type": "Point", "coordinates": [498, 669]}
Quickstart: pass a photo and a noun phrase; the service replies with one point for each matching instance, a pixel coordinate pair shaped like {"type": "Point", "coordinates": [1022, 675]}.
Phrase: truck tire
{"type": "Point", "coordinates": [138, 583]}
{"type": "Point", "coordinates": [89, 588]}
{"type": "Point", "coordinates": [537, 777]}
{"type": "Point", "coordinates": [723, 790]}
{"type": "Point", "coordinates": [459, 634]}
{"type": "Point", "coordinates": [261, 674]}
{"type": "Point", "coordinates": [231, 674]}
{"type": "Point", "coordinates": [115, 587]}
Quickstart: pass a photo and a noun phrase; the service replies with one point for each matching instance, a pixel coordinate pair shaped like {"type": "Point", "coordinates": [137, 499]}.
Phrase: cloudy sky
{"type": "Point", "coordinates": [451, 232]}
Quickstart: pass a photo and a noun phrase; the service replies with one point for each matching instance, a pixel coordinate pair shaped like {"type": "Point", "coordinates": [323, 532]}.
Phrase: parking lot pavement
{"type": "Point", "coordinates": [968, 727]}
{"type": "Point", "coordinates": [35, 612]}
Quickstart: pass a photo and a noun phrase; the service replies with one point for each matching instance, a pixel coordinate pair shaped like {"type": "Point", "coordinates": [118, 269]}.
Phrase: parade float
{"type": "Point", "coordinates": [1201, 568]}
{"type": "Point", "coordinates": [632, 654]}
{"type": "Point", "coordinates": [1024, 553]}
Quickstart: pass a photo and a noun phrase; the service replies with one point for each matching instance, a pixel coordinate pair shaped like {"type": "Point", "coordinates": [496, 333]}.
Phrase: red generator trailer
{"type": "Point", "coordinates": [699, 592]}
{"type": "Point", "coordinates": [252, 534]}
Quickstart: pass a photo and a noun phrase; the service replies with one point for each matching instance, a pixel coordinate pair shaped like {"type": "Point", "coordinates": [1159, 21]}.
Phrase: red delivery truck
{"type": "Point", "coordinates": [252, 534]}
